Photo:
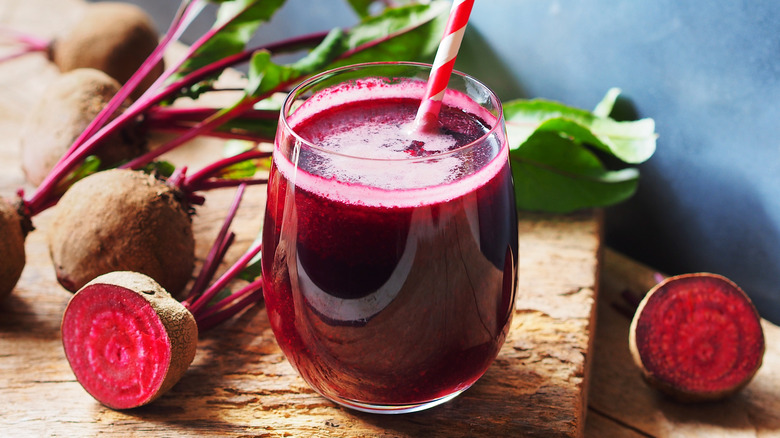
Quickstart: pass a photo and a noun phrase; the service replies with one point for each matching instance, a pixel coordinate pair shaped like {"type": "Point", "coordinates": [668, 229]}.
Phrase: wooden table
{"type": "Point", "coordinates": [240, 383]}
{"type": "Point", "coordinates": [621, 405]}
{"type": "Point", "coordinates": [548, 375]}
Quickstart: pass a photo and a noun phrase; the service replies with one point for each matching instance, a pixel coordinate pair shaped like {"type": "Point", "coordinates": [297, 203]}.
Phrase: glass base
{"type": "Point", "coordinates": [395, 409]}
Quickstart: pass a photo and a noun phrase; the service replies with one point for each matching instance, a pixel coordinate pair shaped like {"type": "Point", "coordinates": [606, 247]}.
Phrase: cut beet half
{"type": "Point", "coordinates": [697, 337]}
{"type": "Point", "coordinates": [126, 339]}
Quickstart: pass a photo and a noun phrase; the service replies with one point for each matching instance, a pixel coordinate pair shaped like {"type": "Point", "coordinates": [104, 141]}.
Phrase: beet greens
{"type": "Point", "coordinates": [407, 32]}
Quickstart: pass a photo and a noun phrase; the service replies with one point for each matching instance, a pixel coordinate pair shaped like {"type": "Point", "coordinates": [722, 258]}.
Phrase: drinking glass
{"type": "Point", "coordinates": [389, 251]}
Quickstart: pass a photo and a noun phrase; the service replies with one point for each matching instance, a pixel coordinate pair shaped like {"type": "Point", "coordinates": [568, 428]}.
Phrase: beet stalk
{"type": "Point", "coordinates": [204, 61]}
{"type": "Point", "coordinates": [697, 337]}
{"type": "Point", "coordinates": [68, 105]}
{"type": "Point", "coordinates": [325, 48]}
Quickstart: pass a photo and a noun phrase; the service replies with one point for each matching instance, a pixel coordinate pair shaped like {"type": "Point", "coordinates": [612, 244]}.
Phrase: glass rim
{"type": "Point", "coordinates": [289, 100]}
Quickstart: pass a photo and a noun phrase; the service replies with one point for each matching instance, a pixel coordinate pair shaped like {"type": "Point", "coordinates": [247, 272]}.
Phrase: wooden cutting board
{"type": "Point", "coordinates": [240, 383]}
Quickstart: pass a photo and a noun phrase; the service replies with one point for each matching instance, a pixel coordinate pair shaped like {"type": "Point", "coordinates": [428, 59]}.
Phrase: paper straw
{"type": "Point", "coordinates": [443, 63]}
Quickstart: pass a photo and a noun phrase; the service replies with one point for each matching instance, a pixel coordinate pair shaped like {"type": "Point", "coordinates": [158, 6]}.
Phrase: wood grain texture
{"type": "Point", "coordinates": [621, 404]}
{"type": "Point", "coordinates": [240, 384]}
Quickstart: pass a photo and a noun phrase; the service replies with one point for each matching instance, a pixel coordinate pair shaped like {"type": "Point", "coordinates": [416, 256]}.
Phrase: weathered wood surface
{"type": "Point", "coordinates": [240, 383]}
{"type": "Point", "coordinates": [622, 405]}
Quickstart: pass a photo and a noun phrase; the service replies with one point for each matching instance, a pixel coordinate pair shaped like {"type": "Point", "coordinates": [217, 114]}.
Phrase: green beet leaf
{"type": "Point", "coordinates": [403, 33]}
{"type": "Point", "coordinates": [555, 174]}
{"type": "Point", "coordinates": [604, 108]}
{"type": "Point", "coordinates": [361, 7]}
{"type": "Point", "coordinates": [160, 167]}
{"type": "Point", "coordinates": [243, 169]}
{"type": "Point", "coordinates": [632, 141]}
{"type": "Point", "coordinates": [265, 76]}
{"type": "Point", "coordinates": [553, 146]}
{"type": "Point", "coordinates": [406, 33]}
{"type": "Point", "coordinates": [236, 23]}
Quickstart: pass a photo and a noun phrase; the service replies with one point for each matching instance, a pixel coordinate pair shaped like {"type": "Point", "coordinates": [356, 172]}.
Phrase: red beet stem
{"type": "Point", "coordinates": [210, 265]}
{"type": "Point", "coordinates": [17, 54]}
{"type": "Point", "coordinates": [196, 181]}
{"type": "Point", "coordinates": [218, 249]}
{"type": "Point", "coordinates": [164, 116]}
{"type": "Point", "coordinates": [231, 305]}
{"type": "Point", "coordinates": [132, 83]}
{"type": "Point", "coordinates": [197, 301]}
{"type": "Point", "coordinates": [223, 281]}
{"type": "Point", "coordinates": [180, 120]}
{"type": "Point", "coordinates": [24, 38]}
{"type": "Point", "coordinates": [29, 43]}
{"type": "Point", "coordinates": [177, 129]}
{"type": "Point", "coordinates": [206, 125]}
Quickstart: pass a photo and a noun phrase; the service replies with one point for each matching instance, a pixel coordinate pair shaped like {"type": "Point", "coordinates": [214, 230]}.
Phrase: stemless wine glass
{"type": "Point", "coordinates": [389, 253]}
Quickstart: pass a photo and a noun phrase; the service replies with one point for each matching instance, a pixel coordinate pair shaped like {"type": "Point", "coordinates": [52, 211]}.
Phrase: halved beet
{"type": "Point", "coordinates": [697, 337]}
{"type": "Point", "coordinates": [127, 340]}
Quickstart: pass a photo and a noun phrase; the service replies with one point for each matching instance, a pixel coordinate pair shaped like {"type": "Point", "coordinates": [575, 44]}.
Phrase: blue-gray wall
{"type": "Point", "coordinates": [708, 72]}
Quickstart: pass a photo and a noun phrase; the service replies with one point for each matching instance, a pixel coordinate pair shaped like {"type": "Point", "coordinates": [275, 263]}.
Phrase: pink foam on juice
{"type": "Point", "coordinates": [369, 159]}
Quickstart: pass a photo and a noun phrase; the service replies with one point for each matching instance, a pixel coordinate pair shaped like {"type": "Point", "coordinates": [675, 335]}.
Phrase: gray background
{"type": "Point", "coordinates": [708, 72]}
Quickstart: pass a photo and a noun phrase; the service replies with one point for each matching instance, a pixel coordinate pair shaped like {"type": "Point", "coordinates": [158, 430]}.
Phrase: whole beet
{"type": "Point", "coordinates": [122, 220]}
{"type": "Point", "coordinates": [65, 109]}
{"type": "Point", "coordinates": [114, 37]}
{"type": "Point", "coordinates": [12, 255]}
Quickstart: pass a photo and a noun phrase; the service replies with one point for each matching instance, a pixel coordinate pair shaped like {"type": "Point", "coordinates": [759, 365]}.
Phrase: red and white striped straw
{"type": "Point", "coordinates": [443, 63]}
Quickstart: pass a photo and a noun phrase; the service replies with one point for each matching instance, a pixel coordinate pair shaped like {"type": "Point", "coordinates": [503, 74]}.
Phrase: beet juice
{"type": "Point", "coordinates": [389, 255]}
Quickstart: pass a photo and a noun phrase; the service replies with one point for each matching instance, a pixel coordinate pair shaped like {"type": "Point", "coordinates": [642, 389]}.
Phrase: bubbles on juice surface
{"type": "Point", "coordinates": [366, 142]}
